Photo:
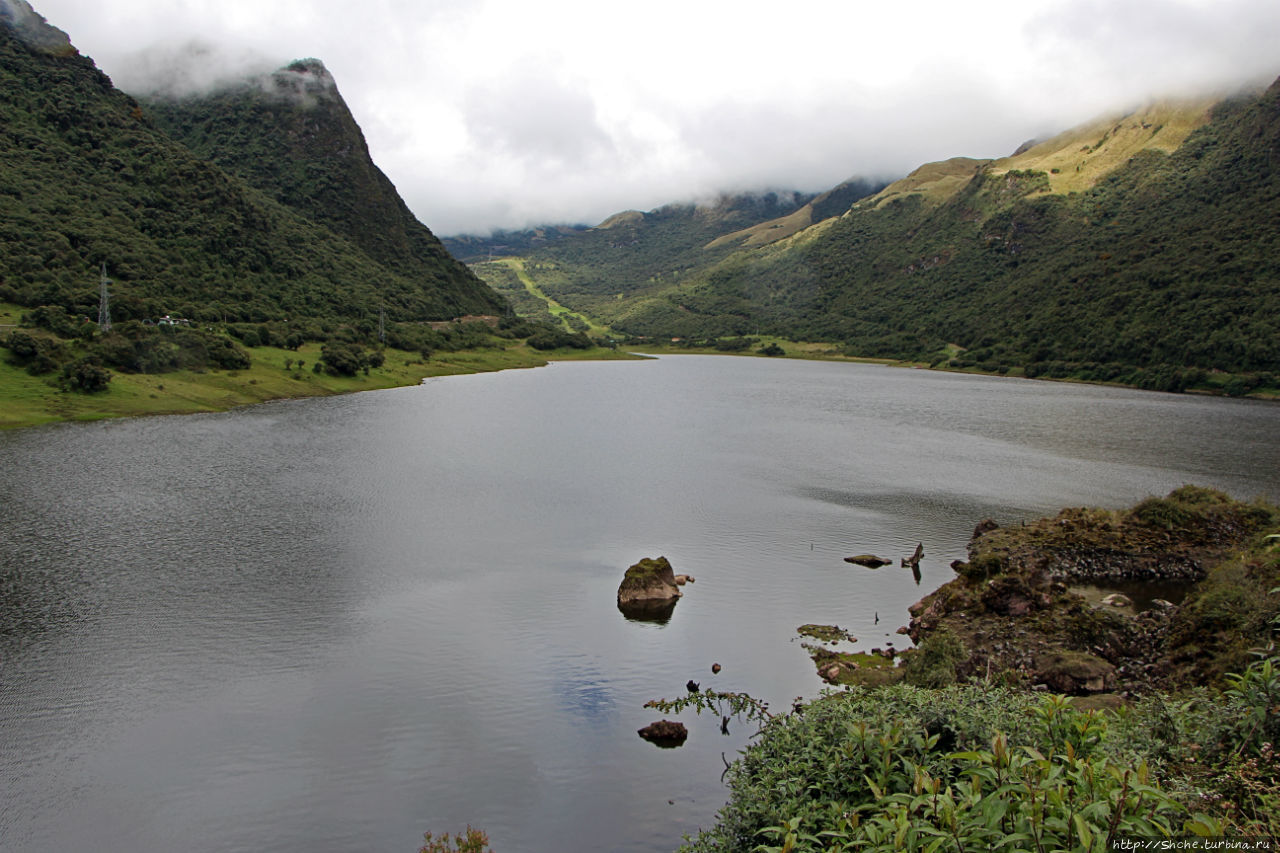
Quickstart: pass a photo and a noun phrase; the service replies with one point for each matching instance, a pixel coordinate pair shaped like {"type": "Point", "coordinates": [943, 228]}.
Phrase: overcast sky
{"type": "Point", "coordinates": [507, 113]}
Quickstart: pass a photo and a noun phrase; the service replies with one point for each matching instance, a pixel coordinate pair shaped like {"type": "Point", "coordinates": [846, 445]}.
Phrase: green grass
{"type": "Point", "coordinates": [556, 310]}
{"type": "Point", "coordinates": [27, 400]}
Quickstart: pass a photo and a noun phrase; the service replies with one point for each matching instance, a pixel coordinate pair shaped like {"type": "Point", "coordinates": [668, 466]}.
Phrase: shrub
{"type": "Point", "coordinates": [933, 662]}
{"type": "Point", "coordinates": [342, 359]}
{"type": "Point", "coordinates": [1162, 512]}
{"type": "Point", "coordinates": [963, 768]}
{"type": "Point", "coordinates": [85, 376]}
{"type": "Point", "coordinates": [474, 841]}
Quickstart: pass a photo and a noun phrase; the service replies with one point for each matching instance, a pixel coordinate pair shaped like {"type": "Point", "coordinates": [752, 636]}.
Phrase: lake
{"type": "Point", "coordinates": [335, 624]}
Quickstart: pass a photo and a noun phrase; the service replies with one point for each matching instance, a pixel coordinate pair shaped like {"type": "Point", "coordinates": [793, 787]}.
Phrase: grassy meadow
{"type": "Point", "coordinates": [27, 400]}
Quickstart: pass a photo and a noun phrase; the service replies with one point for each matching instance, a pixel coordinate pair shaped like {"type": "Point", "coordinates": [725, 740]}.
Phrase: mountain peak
{"type": "Point", "coordinates": [33, 30]}
{"type": "Point", "coordinates": [304, 80]}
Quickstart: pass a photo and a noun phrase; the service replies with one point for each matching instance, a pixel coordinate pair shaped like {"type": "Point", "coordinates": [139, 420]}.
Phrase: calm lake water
{"type": "Point", "coordinates": [332, 625]}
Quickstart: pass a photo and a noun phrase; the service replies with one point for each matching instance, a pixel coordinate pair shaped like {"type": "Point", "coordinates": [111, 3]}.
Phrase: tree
{"type": "Point", "coordinates": [85, 376]}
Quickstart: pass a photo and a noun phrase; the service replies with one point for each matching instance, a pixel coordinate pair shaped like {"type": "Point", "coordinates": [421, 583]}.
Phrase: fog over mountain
{"type": "Point", "coordinates": [500, 113]}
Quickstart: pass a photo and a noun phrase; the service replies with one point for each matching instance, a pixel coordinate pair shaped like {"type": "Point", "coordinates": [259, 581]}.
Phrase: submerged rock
{"type": "Point", "coordinates": [667, 734]}
{"type": "Point", "coordinates": [871, 561]}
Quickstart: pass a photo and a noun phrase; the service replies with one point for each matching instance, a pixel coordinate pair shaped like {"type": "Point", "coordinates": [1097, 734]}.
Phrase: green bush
{"type": "Point", "coordinates": [342, 359]}
{"type": "Point", "coordinates": [1162, 512]}
{"type": "Point", "coordinates": [933, 662]}
{"type": "Point", "coordinates": [85, 376]}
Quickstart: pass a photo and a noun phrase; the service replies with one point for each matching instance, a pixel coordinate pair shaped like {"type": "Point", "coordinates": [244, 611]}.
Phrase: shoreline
{"type": "Point", "coordinates": [27, 401]}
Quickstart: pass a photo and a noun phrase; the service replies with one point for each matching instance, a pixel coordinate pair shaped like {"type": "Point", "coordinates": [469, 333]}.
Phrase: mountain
{"type": "Point", "coordinates": [1138, 248]}
{"type": "Point", "coordinates": [87, 178]}
{"type": "Point", "coordinates": [291, 135]}
{"type": "Point", "coordinates": [473, 248]}
{"type": "Point", "coordinates": [607, 270]}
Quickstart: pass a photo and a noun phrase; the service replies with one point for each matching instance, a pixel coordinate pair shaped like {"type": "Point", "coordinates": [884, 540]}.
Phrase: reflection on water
{"type": "Point", "coordinates": [335, 624]}
{"type": "Point", "coordinates": [656, 611]}
{"type": "Point", "coordinates": [1142, 595]}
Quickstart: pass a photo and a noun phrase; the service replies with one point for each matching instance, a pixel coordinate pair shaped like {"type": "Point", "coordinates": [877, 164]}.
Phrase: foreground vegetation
{"type": "Point", "coordinates": [954, 750]}
{"type": "Point", "coordinates": [981, 767]}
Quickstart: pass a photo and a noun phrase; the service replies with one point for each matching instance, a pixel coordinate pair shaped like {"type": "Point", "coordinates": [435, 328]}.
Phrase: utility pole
{"type": "Point", "coordinates": [382, 325]}
{"type": "Point", "coordinates": [104, 302]}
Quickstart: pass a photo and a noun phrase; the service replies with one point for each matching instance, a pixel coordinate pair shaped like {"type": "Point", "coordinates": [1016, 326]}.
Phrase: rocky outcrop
{"type": "Point", "coordinates": [1019, 622]}
{"type": "Point", "coordinates": [649, 590]}
{"type": "Point", "coordinates": [1074, 673]}
{"type": "Point", "coordinates": [647, 581]}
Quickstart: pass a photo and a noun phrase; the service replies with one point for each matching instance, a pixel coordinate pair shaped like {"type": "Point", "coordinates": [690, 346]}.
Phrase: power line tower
{"type": "Point", "coordinates": [104, 302]}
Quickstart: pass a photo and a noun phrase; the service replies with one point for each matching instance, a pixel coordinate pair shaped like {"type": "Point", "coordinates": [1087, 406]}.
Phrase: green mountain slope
{"type": "Point", "coordinates": [87, 179]}
{"type": "Point", "coordinates": [291, 135]}
{"type": "Point", "coordinates": [628, 262]}
{"type": "Point", "coordinates": [1141, 243]}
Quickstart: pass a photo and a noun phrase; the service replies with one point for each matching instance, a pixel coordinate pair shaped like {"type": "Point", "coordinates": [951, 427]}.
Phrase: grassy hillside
{"type": "Point", "coordinates": [1139, 250]}
{"type": "Point", "coordinates": [630, 260]}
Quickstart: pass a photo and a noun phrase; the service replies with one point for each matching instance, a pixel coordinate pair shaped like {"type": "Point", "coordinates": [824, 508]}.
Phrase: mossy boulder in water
{"type": "Point", "coordinates": [649, 584]}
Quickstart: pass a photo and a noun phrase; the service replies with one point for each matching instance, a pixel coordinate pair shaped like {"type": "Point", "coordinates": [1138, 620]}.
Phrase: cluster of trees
{"type": "Point", "coordinates": [81, 357]}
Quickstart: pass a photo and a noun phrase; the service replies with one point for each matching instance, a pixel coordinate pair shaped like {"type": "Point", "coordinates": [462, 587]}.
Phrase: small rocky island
{"type": "Point", "coordinates": [650, 589]}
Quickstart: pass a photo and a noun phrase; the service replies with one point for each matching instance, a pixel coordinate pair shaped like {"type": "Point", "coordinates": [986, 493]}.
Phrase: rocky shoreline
{"type": "Point", "coordinates": [1016, 614]}
{"type": "Point", "coordinates": [1017, 621]}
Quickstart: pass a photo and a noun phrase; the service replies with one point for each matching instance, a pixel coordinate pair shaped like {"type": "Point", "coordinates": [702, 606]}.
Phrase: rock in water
{"type": "Point", "coordinates": [665, 733]}
{"type": "Point", "coordinates": [650, 580]}
{"type": "Point", "coordinates": [871, 561]}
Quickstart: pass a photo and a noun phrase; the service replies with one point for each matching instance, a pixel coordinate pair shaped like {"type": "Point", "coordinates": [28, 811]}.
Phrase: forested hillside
{"type": "Point", "coordinates": [291, 135]}
{"type": "Point", "coordinates": [1172, 259]}
{"type": "Point", "coordinates": [1141, 250]}
{"type": "Point", "coordinates": [634, 255]}
{"type": "Point", "coordinates": [87, 179]}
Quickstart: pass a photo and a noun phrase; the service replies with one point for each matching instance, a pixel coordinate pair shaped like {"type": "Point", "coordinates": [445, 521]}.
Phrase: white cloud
{"type": "Point", "coordinates": [505, 112]}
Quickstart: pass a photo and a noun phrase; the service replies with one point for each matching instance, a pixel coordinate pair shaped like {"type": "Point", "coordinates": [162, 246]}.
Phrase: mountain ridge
{"type": "Point", "coordinates": [87, 178]}
{"type": "Point", "coordinates": [1128, 249]}
{"type": "Point", "coordinates": [290, 134]}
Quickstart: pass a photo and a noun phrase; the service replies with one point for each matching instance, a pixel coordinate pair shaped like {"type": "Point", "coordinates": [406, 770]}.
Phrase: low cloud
{"type": "Point", "coordinates": [503, 113]}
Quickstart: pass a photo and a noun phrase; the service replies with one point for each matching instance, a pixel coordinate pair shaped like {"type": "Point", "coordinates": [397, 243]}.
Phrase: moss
{"type": "Point", "coordinates": [850, 669]}
{"type": "Point", "coordinates": [648, 572]}
{"type": "Point", "coordinates": [825, 633]}
{"type": "Point", "coordinates": [1162, 512]}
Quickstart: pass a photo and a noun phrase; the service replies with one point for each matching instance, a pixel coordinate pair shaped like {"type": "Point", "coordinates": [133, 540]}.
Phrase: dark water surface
{"type": "Point", "coordinates": [332, 625]}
